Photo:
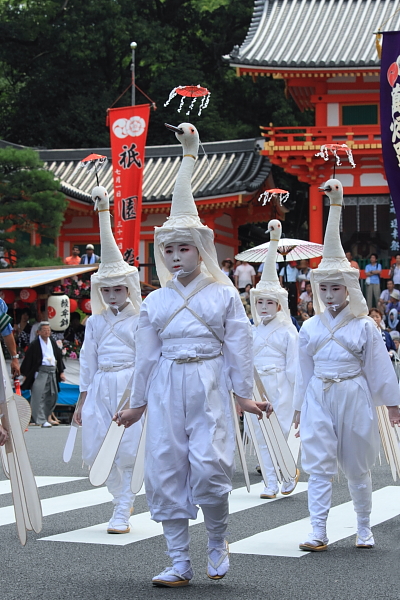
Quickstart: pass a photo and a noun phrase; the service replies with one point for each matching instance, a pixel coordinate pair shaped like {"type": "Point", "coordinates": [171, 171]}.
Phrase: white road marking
{"type": "Point", "coordinates": [284, 541]}
{"type": "Point", "coordinates": [5, 487]}
{"type": "Point", "coordinates": [142, 527]}
{"type": "Point", "coordinates": [61, 504]}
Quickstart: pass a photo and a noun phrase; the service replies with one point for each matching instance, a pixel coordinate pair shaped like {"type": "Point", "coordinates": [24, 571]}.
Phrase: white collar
{"type": "Point", "coordinates": [186, 290]}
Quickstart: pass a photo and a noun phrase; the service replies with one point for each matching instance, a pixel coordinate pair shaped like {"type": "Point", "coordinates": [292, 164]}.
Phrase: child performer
{"type": "Point", "coordinates": [344, 371]}
{"type": "Point", "coordinates": [107, 363]}
{"type": "Point", "coordinates": [275, 354]}
{"type": "Point", "coordinates": [196, 346]}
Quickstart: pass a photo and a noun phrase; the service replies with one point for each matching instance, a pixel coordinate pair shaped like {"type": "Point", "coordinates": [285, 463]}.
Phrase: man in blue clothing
{"type": "Point", "coordinates": [373, 281]}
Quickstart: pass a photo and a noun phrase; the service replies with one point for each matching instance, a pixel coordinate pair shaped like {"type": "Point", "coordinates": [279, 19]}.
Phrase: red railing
{"type": "Point", "coordinates": [310, 136]}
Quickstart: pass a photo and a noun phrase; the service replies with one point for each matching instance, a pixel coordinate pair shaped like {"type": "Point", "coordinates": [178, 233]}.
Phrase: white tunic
{"type": "Point", "coordinates": [107, 363]}
{"type": "Point", "coordinates": [190, 441]}
{"type": "Point", "coordinates": [275, 358]}
{"type": "Point", "coordinates": [337, 385]}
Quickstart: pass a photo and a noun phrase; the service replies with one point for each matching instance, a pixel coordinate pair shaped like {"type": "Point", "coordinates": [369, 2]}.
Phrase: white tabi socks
{"type": "Point", "coordinates": [361, 493]}
{"type": "Point", "coordinates": [119, 485]}
{"type": "Point", "coordinates": [216, 522]}
{"type": "Point", "coordinates": [176, 533]}
{"type": "Point", "coordinates": [319, 503]}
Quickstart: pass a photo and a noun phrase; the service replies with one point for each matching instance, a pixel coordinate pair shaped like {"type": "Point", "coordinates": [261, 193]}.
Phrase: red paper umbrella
{"type": "Point", "coordinates": [190, 91]}
{"type": "Point", "coordinates": [283, 195]}
{"type": "Point", "coordinates": [94, 162]}
{"type": "Point", "coordinates": [334, 149]}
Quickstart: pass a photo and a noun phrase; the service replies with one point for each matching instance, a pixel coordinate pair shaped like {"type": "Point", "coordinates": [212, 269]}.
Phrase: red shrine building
{"type": "Point", "coordinates": [324, 52]}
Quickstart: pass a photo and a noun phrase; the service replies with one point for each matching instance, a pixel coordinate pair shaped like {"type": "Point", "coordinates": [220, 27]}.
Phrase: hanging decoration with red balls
{"type": "Point", "coordinates": [8, 296]}
{"type": "Point", "coordinates": [86, 306]}
{"type": "Point", "coordinates": [73, 305]}
{"type": "Point", "coordinates": [28, 295]}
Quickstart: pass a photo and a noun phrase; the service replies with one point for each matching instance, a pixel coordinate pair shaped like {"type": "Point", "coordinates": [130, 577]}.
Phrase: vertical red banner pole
{"type": "Point", "coordinates": [128, 132]}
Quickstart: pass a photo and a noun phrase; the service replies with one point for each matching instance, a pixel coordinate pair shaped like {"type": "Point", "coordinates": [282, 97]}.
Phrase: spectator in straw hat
{"type": "Point", "coordinates": [394, 301]}
{"type": "Point", "coordinates": [90, 258]}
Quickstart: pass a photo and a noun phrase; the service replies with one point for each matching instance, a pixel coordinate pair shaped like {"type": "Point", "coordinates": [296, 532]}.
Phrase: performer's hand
{"type": "Point", "coordinates": [129, 416]}
{"type": "Point", "coordinates": [3, 436]}
{"type": "Point", "coordinates": [15, 368]}
{"type": "Point", "coordinates": [394, 415]}
{"type": "Point", "coordinates": [77, 416]}
{"type": "Point", "coordinates": [256, 408]}
{"type": "Point", "coordinates": [62, 377]}
{"type": "Point", "coordinates": [297, 414]}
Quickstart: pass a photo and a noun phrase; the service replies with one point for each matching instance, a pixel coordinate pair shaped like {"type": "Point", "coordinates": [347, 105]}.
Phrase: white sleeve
{"type": "Point", "coordinates": [304, 370]}
{"type": "Point", "coordinates": [291, 355]}
{"type": "Point", "coordinates": [238, 348]}
{"type": "Point", "coordinates": [378, 370]}
{"type": "Point", "coordinates": [88, 362]}
{"type": "Point", "coordinates": [148, 352]}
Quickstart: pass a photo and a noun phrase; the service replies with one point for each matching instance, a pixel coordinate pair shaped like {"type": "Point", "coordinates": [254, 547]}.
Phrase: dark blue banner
{"type": "Point", "coordinates": [390, 113]}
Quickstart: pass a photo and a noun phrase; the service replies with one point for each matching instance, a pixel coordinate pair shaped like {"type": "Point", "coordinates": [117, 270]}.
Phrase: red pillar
{"type": "Point", "coordinates": [316, 216]}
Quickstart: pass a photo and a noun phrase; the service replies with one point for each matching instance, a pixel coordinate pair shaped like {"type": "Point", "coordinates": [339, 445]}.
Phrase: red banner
{"type": "Point", "coordinates": [128, 132]}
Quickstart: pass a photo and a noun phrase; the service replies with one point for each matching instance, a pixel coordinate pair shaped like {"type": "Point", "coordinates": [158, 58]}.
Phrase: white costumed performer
{"type": "Point", "coordinates": [275, 354]}
{"type": "Point", "coordinates": [107, 363]}
{"type": "Point", "coordinates": [344, 371]}
{"type": "Point", "coordinates": [195, 342]}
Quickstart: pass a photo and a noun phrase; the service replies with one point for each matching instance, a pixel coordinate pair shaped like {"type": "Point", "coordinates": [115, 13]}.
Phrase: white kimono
{"type": "Point", "coordinates": [185, 380]}
{"type": "Point", "coordinates": [338, 384]}
{"type": "Point", "coordinates": [107, 363]}
{"type": "Point", "coordinates": [275, 358]}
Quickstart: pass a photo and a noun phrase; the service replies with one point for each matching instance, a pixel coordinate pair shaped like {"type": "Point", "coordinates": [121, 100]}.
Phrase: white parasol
{"type": "Point", "coordinates": [288, 249]}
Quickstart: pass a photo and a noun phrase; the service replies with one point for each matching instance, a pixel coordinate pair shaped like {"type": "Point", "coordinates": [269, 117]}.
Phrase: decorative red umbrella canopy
{"type": "Point", "coordinates": [190, 91]}
{"type": "Point", "coordinates": [93, 162]}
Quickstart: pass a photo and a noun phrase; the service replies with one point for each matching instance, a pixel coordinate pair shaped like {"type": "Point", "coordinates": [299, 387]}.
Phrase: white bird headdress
{"type": "Point", "coordinates": [334, 266]}
{"type": "Point", "coordinates": [184, 225]}
{"type": "Point", "coordinates": [113, 270]}
{"type": "Point", "coordinates": [269, 286]}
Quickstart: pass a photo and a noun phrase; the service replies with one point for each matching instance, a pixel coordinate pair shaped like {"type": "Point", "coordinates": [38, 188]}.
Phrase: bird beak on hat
{"type": "Point", "coordinates": [177, 130]}
{"type": "Point", "coordinates": [326, 188]}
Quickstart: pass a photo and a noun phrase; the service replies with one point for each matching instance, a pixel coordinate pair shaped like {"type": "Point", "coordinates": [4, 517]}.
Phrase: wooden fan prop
{"type": "Point", "coordinates": [390, 441]}
{"type": "Point", "coordinates": [15, 416]}
{"type": "Point", "coordinates": [193, 92]}
{"type": "Point", "coordinates": [281, 456]}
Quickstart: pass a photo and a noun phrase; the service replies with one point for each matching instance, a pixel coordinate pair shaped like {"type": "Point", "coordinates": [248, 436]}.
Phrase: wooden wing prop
{"type": "Point", "coordinates": [15, 416]}
{"type": "Point", "coordinates": [281, 456]}
{"type": "Point", "coordinates": [239, 443]}
{"type": "Point", "coordinates": [390, 441]}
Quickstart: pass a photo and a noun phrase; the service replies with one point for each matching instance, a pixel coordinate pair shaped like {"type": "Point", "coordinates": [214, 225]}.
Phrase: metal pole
{"type": "Point", "coordinates": [133, 48]}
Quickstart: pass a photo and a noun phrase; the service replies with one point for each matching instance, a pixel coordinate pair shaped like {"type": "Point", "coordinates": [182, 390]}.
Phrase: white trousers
{"type": "Point", "coordinates": [176, 531]}
{"type": "Point", "coordinates": [119, 485]}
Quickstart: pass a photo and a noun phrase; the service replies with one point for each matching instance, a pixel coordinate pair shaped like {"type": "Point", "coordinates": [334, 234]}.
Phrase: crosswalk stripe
{"type": "Point", "coordinates": [284, 540]}
{"type": "Point", "coordinates": [5, 487]}
{"type": "Point", "coordinates": [65, 503]}
{"type": "Point", "coordinates": [142, 527]}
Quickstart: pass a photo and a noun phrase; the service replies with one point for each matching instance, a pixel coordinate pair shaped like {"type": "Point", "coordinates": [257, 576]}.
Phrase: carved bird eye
{"type": "Point", "coordinates": [192, 130]}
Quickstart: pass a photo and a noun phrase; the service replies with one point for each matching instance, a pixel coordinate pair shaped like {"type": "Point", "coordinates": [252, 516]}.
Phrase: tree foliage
{"type": "Point", "coordinates": [30, 200]}
{"type": "Point", "coordinates": [64, 62]}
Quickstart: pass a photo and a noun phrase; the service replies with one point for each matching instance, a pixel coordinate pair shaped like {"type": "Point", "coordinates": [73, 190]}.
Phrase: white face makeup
{"type": "Point", "coordinates": [333, 295]}
{"type": "Point", "coordinates": [266, 308]}
{"type": "Point", "coordinates": [181, 259]}
{"type": "Point", "coordinates": [116, 296]}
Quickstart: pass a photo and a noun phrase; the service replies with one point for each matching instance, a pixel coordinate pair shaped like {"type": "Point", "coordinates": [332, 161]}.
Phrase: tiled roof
{"type": "Point", "coordinates": [314, 33]}
{"type": "Point", "coordinates": [236, 167]}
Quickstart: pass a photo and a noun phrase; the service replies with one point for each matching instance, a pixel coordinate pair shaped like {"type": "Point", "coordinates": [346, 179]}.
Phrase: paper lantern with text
{"type": "Point", "coordinates": [28, 295]}
{"type": "Point", "coordinates": [8, 296]}
{"type": "Point", "coordinates": [86, 306]}
{"type": "Point", "coordinates": [73, 305]}
{"type": "Point", "coordinates": [58, 312]}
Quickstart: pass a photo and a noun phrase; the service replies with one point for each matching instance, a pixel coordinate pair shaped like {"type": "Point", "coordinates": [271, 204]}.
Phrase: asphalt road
{"type": "Point", "coordinates": [53, 570]}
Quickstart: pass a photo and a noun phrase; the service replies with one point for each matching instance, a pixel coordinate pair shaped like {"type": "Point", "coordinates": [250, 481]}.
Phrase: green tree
{"type": "Point", "coordinates": [30, 200]}
{"type": "Point", "coordinates": [64, 62]}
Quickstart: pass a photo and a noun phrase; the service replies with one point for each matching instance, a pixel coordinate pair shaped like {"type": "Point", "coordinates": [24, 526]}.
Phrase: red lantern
{"type": "Point", "coordinates": [86, 306]}
{"type": "Point", "coordinates": [28, 295]}
{"type": "Point", "coordinates": [73, 305]}
{"type": "Point", "coordinates": [8, 296]}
